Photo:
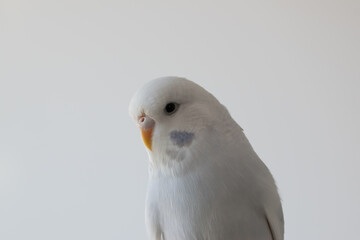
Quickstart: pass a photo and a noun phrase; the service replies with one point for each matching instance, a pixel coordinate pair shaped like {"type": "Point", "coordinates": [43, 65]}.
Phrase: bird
{"type": "Point", "coordinates": [205, 180]}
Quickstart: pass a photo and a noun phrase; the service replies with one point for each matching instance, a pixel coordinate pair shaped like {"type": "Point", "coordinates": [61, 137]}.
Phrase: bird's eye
{"type": "Point", "coordinates": [171, 108]}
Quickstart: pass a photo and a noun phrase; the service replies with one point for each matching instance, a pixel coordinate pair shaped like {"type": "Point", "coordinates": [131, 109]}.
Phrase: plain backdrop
{"type": "Point", "coordinates": [72, 164]}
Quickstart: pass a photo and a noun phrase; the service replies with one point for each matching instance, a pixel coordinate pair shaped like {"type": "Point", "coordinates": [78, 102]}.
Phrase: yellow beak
{"type": "Point", "coordinates": [147, 137]}
{"type": "Point", "coordinates": [146, 125]}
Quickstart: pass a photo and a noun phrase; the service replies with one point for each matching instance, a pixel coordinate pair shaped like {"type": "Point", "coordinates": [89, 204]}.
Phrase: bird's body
{"type": "Point", "coordinates": [205, 180]}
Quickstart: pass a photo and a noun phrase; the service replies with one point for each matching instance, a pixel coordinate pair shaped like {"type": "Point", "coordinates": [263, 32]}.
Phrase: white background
{"type": "Point", "coordinates": [72, 165]}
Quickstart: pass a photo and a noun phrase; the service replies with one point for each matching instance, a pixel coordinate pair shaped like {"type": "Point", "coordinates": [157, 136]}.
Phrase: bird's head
{"type": "Point", "coordinates": [171, 112]}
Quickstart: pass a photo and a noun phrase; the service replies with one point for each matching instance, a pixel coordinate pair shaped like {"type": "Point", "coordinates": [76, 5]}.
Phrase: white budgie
{"type": "Point", "coordinates": [205, 180]}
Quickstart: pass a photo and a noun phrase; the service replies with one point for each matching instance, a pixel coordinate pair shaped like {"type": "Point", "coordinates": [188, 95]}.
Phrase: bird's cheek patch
{"type": "Point", "coordinates": [181, 138]}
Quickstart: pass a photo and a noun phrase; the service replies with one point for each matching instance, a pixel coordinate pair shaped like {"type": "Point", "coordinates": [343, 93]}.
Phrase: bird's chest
{"type": "Point", "coordinates": [189, 207]}
{"type": "Point", "coordinates": [179, 208]}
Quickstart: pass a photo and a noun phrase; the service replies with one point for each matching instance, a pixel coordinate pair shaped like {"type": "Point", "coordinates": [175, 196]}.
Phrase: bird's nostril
{"type": "Point", "coordinates": [146, 122]}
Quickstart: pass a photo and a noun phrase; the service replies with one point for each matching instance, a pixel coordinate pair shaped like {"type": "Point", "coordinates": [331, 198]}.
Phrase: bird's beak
{"type": "Point", "coordinates": [146, 125]}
